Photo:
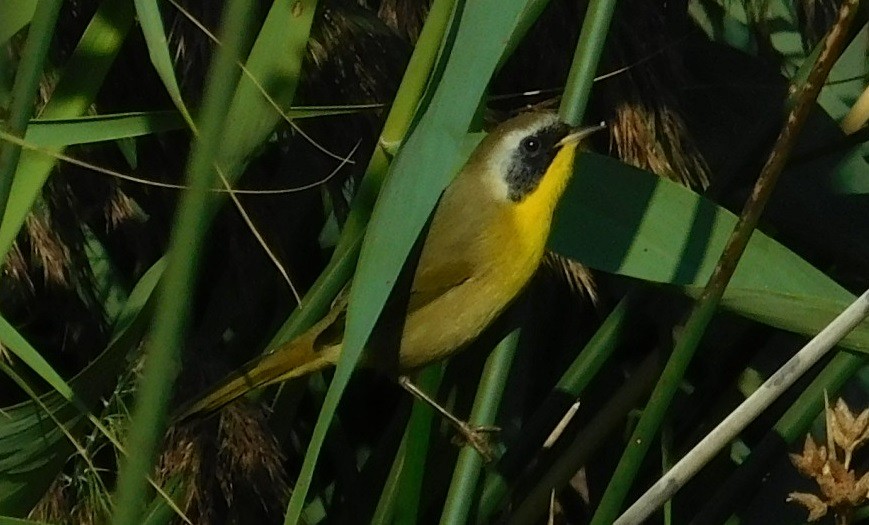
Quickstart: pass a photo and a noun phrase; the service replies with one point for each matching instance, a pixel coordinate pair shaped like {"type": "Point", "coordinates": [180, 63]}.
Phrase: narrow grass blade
{"type": "Point", "coordinates": [385, 511]}
{"type": "Point", "coordinates": [418, 437]}
{"type": "Point", "coordinates": [569, 387]}
{"type": "Point", "coordinates": [6, 520]}
{"type": "Point", "coordinates": [19, 347]}
{"type": "Point", "coordinates": [252, 116]}
{"type": "Point", "coordinates": [398, 122]}
{"type": "Point", "coordinates": [58, 133]}
{"type": "Point", "coordinates": [151, 22]}
{"type": "Point", "coordinates": [595, 28]}
{"type": "Point", "coordinates": [188, 232]}
{"type": "Point", "coordinates": [24, 90]}
{"type": "Point", "coordinates": [32, 448]}
{"type": "Point", "coordinates": [569, 457]}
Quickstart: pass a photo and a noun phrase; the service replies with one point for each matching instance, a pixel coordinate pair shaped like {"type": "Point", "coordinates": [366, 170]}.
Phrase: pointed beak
{"type": "Point", "coordinates": [579, 134]}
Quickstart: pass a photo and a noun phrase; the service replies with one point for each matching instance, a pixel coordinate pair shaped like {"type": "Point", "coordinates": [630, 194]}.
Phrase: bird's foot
{"type": "Point", "coordinates": [481, 437]}
{"type": "Point", "coordinates": [478, 436]}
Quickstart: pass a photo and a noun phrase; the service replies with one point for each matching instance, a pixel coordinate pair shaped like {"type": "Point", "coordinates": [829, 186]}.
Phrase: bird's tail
{"type": "Point", "coordinates": [292, 360]}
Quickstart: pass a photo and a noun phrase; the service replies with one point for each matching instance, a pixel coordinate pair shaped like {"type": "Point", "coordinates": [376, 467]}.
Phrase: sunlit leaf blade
{"type": "Point", "coordinates": [398, 122]}
{"type": "Point", "coordinates": [18, 346]}
{"type": "Point", "coordinates": [25, 90]}
{"type": "Point", "coordinates": [98, 128]}
{"type": "Point", "coordinates": [252, 116]}
{"type": "Point", "coordinates": [75, 91]}
{"type": "Point", "coordinates": [624, 220]}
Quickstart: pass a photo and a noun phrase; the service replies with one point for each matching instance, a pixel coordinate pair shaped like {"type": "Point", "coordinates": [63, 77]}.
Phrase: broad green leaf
{"type": "Point", "coordinates": [623, 220]}
{"type": "Point", "coordinates": [848, 78]}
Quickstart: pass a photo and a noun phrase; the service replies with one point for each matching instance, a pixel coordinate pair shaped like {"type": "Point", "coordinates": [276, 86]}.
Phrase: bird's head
{"type": "Point", "coordinates": [527, 155]}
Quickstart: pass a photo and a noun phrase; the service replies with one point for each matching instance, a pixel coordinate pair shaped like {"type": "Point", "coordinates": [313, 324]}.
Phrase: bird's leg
{"type": "Point", "coordinates": [479, 437]}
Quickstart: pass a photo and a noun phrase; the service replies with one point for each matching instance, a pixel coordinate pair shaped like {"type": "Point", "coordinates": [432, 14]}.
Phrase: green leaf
{"type": "Point", "coordinates": [50, 133]}
{"type": "Point", "coordinates": [5, 520]}
{"type": "Point", "coordinates": [623, 220]}
{"type": "Point", "coordinates": [75, 92]}
{"type": "Point", "coordinates": [19, 347]}
{"type": "Point", "coordinates": [151, 23]}
{"type": "Point", "coordinates": [268, 86]}
{"type": "Point", "coordinates": [57, 133]}
{"type": "Point", "coordinates": [847, 78]}
{"type": "Point", "coordinates": [25, 89]}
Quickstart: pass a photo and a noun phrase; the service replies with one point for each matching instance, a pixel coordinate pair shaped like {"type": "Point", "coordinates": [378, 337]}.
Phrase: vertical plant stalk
{"type": "Point", "coordinates": [705, 307]}
{"type": "Point", "coordinates": [24, 90]}
{"type": "Point", "coordinates": [595, 27]}
{"type": "Point", "coordinates": [462, 491]}
{"type": "Point", "coordinates": [171, 316]}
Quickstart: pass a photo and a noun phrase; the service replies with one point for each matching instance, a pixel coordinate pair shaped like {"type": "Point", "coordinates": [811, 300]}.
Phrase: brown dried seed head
{"type": "Point", "coordinates": [816, 507]}
{"type": "Point", "coordinates": [848, 431]}
{"type": "Point", "coordinates": [811, 462]}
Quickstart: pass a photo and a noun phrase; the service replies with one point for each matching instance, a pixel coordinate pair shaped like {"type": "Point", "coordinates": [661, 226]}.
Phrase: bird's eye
{"type": "Point", "coordinates": [531, 145]}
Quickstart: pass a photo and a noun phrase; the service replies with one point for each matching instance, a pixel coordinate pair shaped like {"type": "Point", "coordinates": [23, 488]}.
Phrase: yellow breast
{"type": "Point", "coordinates": [479, 254]}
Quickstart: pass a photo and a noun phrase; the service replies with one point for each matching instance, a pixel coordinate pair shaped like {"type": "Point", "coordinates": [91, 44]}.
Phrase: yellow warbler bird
{"type": "Point", "coordinates": [486, 240]}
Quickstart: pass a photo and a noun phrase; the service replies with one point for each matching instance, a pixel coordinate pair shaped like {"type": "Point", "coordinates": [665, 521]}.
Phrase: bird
{"type": "Point", "coordinates": [485, 241]}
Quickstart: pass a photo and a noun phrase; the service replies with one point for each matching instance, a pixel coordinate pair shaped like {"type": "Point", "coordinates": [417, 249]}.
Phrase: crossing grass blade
{"type": "Point", "coordinates": [411, 194]}
{"type": "Point", "coordinates": [151, 22]}
{"type": "Point", "coordinates": [171, 316]}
